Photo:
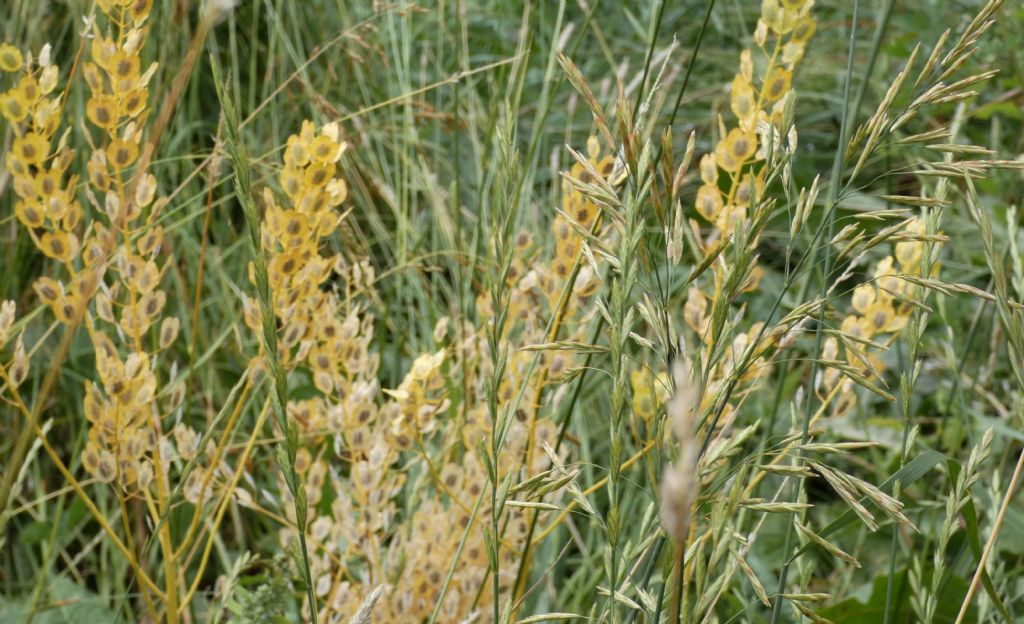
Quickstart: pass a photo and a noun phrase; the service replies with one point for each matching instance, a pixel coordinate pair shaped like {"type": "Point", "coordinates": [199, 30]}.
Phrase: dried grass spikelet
{"type": "Point", "coordinates": [680, 482]}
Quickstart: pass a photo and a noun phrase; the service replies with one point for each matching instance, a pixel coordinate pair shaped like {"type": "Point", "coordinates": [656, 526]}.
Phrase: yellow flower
{"type": "Point", "coordinates": [10, 58]}
{"type": "Point", "coordinates": [777, 84]}
{"type": "Point", "coordinates": [735, 149]}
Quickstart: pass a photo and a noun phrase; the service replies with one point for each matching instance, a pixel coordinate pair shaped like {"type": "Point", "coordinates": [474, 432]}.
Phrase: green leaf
{"type": "Point", "coordinates": [853, 611]}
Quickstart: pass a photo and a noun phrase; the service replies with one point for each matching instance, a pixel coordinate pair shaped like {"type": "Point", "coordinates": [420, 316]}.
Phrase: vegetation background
{"type": "Point", "coordinates": [458, 114]}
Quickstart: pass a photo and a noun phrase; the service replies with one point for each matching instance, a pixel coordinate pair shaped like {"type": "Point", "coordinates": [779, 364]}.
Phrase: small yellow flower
{"type": "Point", "coordinates": [735, 149]}
{"type": "Point", "coordinates": [10, 58]}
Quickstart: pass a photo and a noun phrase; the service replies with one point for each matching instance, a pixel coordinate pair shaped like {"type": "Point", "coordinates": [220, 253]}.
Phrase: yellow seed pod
{"type": "Point", "coordinates": [880, 316]}
{"type": "Point", "coordinates": [318, 174]}
{"type": "Point", "coordinates": [695, 309]}
{"type": "Point", "coordinates": [777, 84]}
{"type": "Point", "coordinates": [337, 191]}
{"type": "Point", "coordinates": [123, 67]}
{"type": "Point", "coordinates": [31, 148]}
{"type": "Point", "coordinates": [13, 106]}
{"type": "Point", "coordinates": [102, 111]}
{"type": "Point", "coordinates": [324, 149]}
{"type": "Point", "coordinates": [29, 89]}
{"type": "Point", "coordinates": [48, 79]}
{"type": "Point", "coordinates": [735, 149]}
{"type": "Point", "coordinates": [804, 29]}
{"type": "Point", "coordinates": [291, 181]}
{"type": "Point", "coordinates": [138, 9]}
{"type": "Point", "coordinates": [10, 58]}
{"type": "Point", "coordinates": [49, 290]}
{"type": "Point", "coordinates": [749, 187]}
{"type": "Point", "coordinates": [863, 298]}
{"type": "Point", "coordinates": [47, 182]}
{"type": "Point", "coordinates": [66, 309]}
{"type": "Point", "coordinates": [792, 52]}
{"type": "Point", "coordinates": [134, 102]}
{"type": "Point", "coordinates": [143, 276]}
{"type": "Point", "coordinates": [151, 304]}
{"type": "Point", "coordinates": [709, 169]}
{"type": "Point", "coordinates": [121, 153]}
{"type": "Point", "coordinates": [30, 213]}
{"type": "Point", "coordinates": [57, 245]}
{"type": "Point", "coordinates": [85, 283]}
{"type": "Point", "coordinates": [856, 327]}
{"type": "Point", "coordinates": [150, 241]}
{"type": "Point", "coordinates": [102, 49]}
{"type": "Point", "coordinates": [709, 202]}
{"type": "Point", "coordinates": [742, 99]}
